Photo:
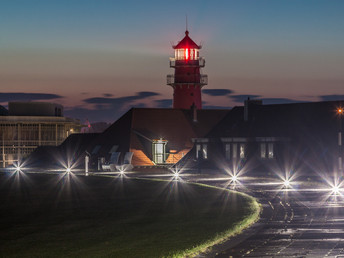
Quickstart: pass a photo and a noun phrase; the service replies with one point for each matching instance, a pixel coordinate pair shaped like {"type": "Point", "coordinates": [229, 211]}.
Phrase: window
{"type": "Point", "coordinates": [159, 151]}
{"type": "Point", "coordinates": [113, 148]}
{"type": "Point", "coordinates": [263, 150]}
{"type": "Point", "coordinates": [242, 151]}
{"type": "Point", "coordinates": [235, 150]}
{"type": "Point", "coordinates": [198, 150]}
{"type": "Point", "coordinates": [201, 151]}
{"type": "Point", "coordinates": [267, 150]}
{"type": "Point", "coordinates": [271, 150]}
{"type": "Point", "coordinates": [128, 157]}
{"type": "Point", "coordinates": [228, 151]}
{"type": "Point", "coordinates": [205, 151]}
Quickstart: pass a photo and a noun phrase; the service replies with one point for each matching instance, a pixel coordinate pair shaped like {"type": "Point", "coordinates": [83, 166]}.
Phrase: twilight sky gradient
{"type": "Point", "coordinates": [99, 58]}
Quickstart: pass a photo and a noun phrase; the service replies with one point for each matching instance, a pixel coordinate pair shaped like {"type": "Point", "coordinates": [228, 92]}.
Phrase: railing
{"type": "Point", "coordinates": [182, 62]}
{"type": "Point", "coordinates": [201, 79]}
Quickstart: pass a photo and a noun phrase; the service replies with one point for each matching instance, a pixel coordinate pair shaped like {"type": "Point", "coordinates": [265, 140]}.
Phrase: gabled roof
{"type": "Point", "coordinates": [136, 130]}
{"type": "Point", "coordinates": [3, 111]}
{"type": "Point", "coordinates": [187, 42]}
{"type": "Point", "coordinates": [280, 120]}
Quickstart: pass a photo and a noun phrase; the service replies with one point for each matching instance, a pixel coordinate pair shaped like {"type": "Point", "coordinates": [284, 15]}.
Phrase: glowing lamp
{"type": "Point", "coordinates": [286, 183]}
{"type": "Point", "coordinates": [187, 54]}
{"type": "Point", "coordinates": [234, 178]}
{"type": "Point", "coordinates": [335, 189]}
{"type": "Point", "coordinates": [340, 111]}
{"type": "Point", "coordinates": [68, 170]}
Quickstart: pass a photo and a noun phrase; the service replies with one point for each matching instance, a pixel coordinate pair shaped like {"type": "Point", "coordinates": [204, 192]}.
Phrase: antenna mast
{"type": "Point", "coordinates": [186, 21]}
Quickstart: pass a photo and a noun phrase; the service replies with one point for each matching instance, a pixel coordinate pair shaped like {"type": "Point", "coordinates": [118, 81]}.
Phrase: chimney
{"type": "Point", "coordinates": [194, 112]}
{"type": "Point", "coordinates": [249, 106]}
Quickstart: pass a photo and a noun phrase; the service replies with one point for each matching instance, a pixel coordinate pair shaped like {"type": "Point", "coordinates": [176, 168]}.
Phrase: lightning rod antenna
{"type": "Point", "coordinates": [186, 21]}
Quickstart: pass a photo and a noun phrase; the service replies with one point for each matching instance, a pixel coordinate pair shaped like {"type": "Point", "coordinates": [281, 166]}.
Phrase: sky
{"type": "Point", "coordinates": [99, 58]}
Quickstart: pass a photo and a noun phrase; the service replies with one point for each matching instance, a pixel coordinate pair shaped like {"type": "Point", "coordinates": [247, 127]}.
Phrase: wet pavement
{"type": "Point", "coordinates": [296, 221]}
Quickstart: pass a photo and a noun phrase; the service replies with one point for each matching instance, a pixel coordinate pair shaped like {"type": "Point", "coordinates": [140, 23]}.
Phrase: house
{"type": "Point", "coordinates": [283, 137]}
{"type": "Point", "coordinates": [154, 136]}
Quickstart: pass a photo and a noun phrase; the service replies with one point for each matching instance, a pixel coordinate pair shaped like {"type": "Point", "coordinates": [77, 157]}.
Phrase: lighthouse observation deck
{"type": "Point", "coordinates": [200, 62]}
{"type": "Point", "coordinates": [200, 79]}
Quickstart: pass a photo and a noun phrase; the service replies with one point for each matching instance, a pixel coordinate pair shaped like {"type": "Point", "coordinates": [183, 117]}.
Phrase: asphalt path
{"type": "Point", "coordinates": [302, 220]}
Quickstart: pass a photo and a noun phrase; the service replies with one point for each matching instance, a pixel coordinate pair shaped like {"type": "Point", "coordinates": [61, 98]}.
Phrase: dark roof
{"type": "Point", "coordinates": [3, 111]}
{"type": "Point", "coordinates": [73, 149]}
{"type": "Point", "coordinates": [140, 126]}
{"type": "Point", "coordinates": [186, 42]}
{"type": "Point", "coordinates": [279, 120]}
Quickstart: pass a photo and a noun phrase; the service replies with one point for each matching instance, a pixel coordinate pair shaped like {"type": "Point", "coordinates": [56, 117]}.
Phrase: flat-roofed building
{"type": "Point", "coordinates": [28, 125]}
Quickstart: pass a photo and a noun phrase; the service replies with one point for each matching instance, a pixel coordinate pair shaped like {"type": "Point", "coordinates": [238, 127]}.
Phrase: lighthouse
{"type": "Point", "coordinates": [187, 80]}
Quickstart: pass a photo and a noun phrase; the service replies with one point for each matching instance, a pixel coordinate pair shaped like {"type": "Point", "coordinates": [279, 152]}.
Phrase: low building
{"type": "Point", "coordinates": [154, 136]}
{"type": "Point", "coordinates": [142, 138]}
{"type": "Point", "coordinates": [271, 138]}
{"type": "Point", "coordinates": [27, 125]}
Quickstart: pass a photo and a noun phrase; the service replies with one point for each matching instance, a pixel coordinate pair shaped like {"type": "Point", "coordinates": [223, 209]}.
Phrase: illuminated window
{"type": "Point", "coordinates": [270, 150]}
{"type": "Point", "coordinates": [159, 151]}
{"type": "Point", "coordinates": [201, 151]}
{"type": "Point", "coordinates": [263, 150]}
{"type": "Point", "coordinates": [187, 54]}
{"type": "Point", "coordinates": [242, 150]}
{"type": "Point", "coordinates": [205, 151]}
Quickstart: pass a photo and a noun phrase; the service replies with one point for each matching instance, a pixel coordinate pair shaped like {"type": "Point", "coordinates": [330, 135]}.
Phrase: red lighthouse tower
{"type": "Point", "coordinates": [187, 80]}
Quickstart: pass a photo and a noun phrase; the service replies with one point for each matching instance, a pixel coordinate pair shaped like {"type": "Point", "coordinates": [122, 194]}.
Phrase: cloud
{"type": "Point", "coordinates": [268, 101]}
{"type": "Point", "coordinates": [107, 95]}
{"type": "Point", "coordinates": [20, 96]}
{"type": "Point", "coordinates": [121, 100]}
{"type": "Point", "coordinates": [146, 94]}
{"type": "Point", "coordinates": [242, 98]}
{"type": "Point", "coordinates": [331, 97]}
{"type": "Point", "coordinates": [215, 107]}
{"type": "Point", "coordinates": [108, 109]}
{"type": "Point", "coordinates": [217, 92]}
{"type": "Point", "coordinates": [164, 103]}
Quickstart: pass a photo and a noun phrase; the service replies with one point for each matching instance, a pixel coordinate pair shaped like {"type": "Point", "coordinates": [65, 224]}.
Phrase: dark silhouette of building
{"type": "Point", "coordinates": [262, 138]}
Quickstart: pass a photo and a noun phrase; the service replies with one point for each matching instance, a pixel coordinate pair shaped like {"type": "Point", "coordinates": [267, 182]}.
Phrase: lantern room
{"type": "Point", "coordinates": [186, 49]}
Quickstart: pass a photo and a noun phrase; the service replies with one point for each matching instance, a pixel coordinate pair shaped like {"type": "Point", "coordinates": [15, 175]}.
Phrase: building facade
{"type": "Point", "coordinates": [28, 125]}
{"type": "Point", "coordinates": [269, 138]}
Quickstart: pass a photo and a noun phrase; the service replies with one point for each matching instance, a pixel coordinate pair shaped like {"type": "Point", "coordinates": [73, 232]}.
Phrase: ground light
{"type": "Point", "coordinates": [176, 176]}
{"type": "Point", "coordinates": [335, 190]}
{"type": "Point", "coordinates": [234, 179]}
{"type": "Point", "coordinates": [286, 183]}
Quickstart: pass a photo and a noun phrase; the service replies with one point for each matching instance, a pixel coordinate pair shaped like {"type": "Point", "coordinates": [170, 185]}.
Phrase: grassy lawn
{"type": "Point", "coordinates": [55, 216]}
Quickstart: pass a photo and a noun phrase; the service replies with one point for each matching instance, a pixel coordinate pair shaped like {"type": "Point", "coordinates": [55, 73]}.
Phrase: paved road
{"type": "Point", "coordinates": [302, 221]}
